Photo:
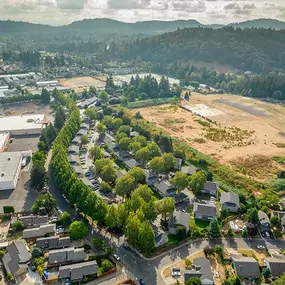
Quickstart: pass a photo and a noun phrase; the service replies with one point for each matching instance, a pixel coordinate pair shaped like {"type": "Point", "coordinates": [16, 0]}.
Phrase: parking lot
{"type": "Point", "coordinates": [21, 143]}
{"type": "Point", "coordinates": [22, 197]}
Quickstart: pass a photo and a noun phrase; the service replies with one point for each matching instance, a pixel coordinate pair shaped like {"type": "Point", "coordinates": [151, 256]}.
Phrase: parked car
{"type": "Point", "coordinates": [141, 282]}
{"type": "Point", "coordinates": [67, 282]}
{"type": "Point", "coordinates": [176, 272]}
{"type": "Point", "coordinates": [261, 247]}
{"type": "Point", "coordinates": [116, 257]}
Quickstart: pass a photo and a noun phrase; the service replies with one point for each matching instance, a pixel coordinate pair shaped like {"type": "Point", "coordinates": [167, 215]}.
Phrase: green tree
{"type": "Point", "coordinates": [224, 213]}
{"type": "Point", "coordinates": [91, 113]}
{"type": "Point", "coordinates": [111, 217]}
{"type": "Point", "coordinates": [193, 281]}
{"type": "Point", "coordinates": [124, 143]}
{"type": "Point", "coordinates": [143, 155]}
{"type": "Point", "coordinates": [237, 281]}
{"type": "Point", "coordinates": [105, 187]}
{"type": "Point", "coordinates": [134, 146]}
{"type": "Point", "coordinates": [197, 181]}
{"type": "Point", "coordinates": [125, 185]}
{"type": "Point", "coordinates": [106, 265]}
{"type": "Point", "coordinates": [84, 139]}
{"type": "Point", "coordinates": [141, 139]}
{"type": "Point", "coordinates": [138, 174]}
{"type": "Point", "coordinates": [100, 128]}
{"type": "Point", "coordinates": [180, 181]}
{"type": "Point", "coordinates": [78, 230]}
{"type": "Point", "coordinates": [165, 207]}
{"type": "Point", "coordinates": [154, 149]}
{"type": "Point", "coordinates": [108, 173]}
{"type": "Point", "coordinates": [2, 253]}
{"type": "Point", "coordinates": [214, 228]}
{"type": "Point", "coordinates": [275, 221]}
{"type": "Point", "coordinates": [266, 272]}
{"type": "Point", "coordinates": [116, 123]}
{"type": "Point", "coordinates": [279, 281]}
{"type": "Point", "coordinates": [132, 228]}
{"type": "Point", "coordinates": [59, 118]}
{"type": "Point", "coordinates": [124, 129]}
{"type": "Point", "coordinates": [252, 216]}
{"type": "Point", "coordinates": [65, 218]}
{"type": "Point", "coordinates": [169, 161]}
{"type": "Point", "coordinates": [36, 252]}
{"type": "Point", "coordinates": [38, 176]}
{"type": "Point", "coordinates": [18, 226]}
{"type": "Point", "coordinates": [157, 165]}
{"type": "Point", "coordinates": [44, 201]}
{"type": "Point", "coordinates": [188, 263]}
{"type": "Point", "coordinates": [98, 243]}
{"type": "Point", "coordinates": [45, 97]}
{"type": "Point", "coordinates": [101, 163]}
{"type": "Point", "coordinates": [146, 236]}
{"type": "Point", "coordinates": [96, 153]}
{"type": "Point", "coordinates": [104, 96]}
{"type": "Point", "coordinates": [181, 232]}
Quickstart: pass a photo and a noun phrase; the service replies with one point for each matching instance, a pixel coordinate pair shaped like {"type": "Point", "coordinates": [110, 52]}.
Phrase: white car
{"type": "Point", "coordinates": [176, 272]}
{"type": "Point", "coordinates": [116, 257]}
{"type": "Point", "coordinates": [261, 247]}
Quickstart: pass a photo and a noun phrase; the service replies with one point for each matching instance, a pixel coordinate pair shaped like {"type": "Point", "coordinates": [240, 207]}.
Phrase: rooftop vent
{"type": "Point", "coordinates": [9, 158]}
{"type": "Point", "coordinates": [2, 174]}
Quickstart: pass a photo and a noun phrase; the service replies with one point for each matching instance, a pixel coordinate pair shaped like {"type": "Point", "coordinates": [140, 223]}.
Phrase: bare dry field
{"type": "Point", "coordinates": [236, 136]}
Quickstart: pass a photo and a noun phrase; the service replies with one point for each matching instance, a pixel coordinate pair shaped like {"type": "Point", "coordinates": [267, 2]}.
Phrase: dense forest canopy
{"type": "Point", "coordinates": [257, 50]}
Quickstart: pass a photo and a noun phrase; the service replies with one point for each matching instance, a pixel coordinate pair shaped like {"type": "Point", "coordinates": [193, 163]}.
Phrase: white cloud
{"type": "Point", "coordinates": [58, 12]}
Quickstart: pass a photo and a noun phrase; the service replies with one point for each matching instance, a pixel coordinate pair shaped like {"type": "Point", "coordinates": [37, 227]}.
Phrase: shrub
{"type": "Point", "coordinates": [36, 252]}
{"type": "Point", "coordinates": [18, 226]}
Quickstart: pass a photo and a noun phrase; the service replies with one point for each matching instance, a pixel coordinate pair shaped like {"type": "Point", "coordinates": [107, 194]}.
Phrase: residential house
{"type": "Point", "coordinates": [160, 237]}
{"type": "Point", "coordinates": [130, 163]}
{"type": "Point", "coordinates": [33, 220]}
{"type": "Point", "coordinates": [82, 132]}
{"type": "Point", "coordinates": [16, 258]}
{"type": "Point", "coordinates": [120, 172]}
{"type": "Point", "coordinates": [178, 163]}
{"type": "Point", "coordinates": [211, 188]}
{"type": "Point", "coordinates": [201, 268]}
{"type": "Point", "coordinates": [84, 126]}
{"type": "Point", "coordinates": [205, 212]}
{"type": "Point", "coordinates": [109, 141]}
{"type": "Point", "coordinates": [78, 170]}
{"type": "Point", "coordinates": [134, 134]}
{"type": "Point", "coordinates": [281, 216]}
{"type": "Point", "coordinates": [179, 218]}
{"type": "Point", "coordinates": [39, 232]}
{"type": "Point", "coordinates": [73, 159]}
{"type": "Point", "coordinates": [69, 254]}
{"type": "Point", "coordinates": [230, 202]}
{"type": "Point", "coordinates": [275, 265]}
{"type": "Point", "coordinates": [264, 221]}
{"type": "Point", "coordinates": [53, 242]}
{"type": "Point", "coordinates": [189, 170]}
{"type": "Point", "coordinates": [106, 154]}
{"type": "Point", "coordinates": [76, 272]}
{"type": "Point", "coordinates": [150, 177]}
{"type": "Point", "coordinates": [76, 141]}
{"type": "Point", "coordinates": [164, 188]}
{"type": "Point", "coordinates": [245, 267]}
{"type": "Point", "coordinates": [73, 149]}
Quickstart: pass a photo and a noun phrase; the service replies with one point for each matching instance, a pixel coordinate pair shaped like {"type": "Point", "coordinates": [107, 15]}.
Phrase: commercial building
{"type": "Point", "coordinates": [23, 125]}
{"type": "Point", "coordinates": [4, 139]}
{"type": "Point", "coordinates": [10, 169]}
{"type": "Point", "coordinates": [53, 83]}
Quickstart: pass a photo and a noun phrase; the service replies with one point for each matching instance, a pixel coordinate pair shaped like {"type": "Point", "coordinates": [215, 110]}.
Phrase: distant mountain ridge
{"type": "Point", "coordinates": [104, 25]}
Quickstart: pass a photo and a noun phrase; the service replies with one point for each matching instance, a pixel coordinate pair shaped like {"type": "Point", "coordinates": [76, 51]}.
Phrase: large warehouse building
{"type": "Point", "coordinates": [23, 125]}
{"type": "Point", "coordinates": [10, 168]}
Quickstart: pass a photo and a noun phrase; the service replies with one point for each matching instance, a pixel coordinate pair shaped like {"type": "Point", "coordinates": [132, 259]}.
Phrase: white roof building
{"type": "Point", "coordinates": [47, 83]}
{"type": "Point", "coordinates": [22, 125]}
{"type": "Point", "coordinates": [10, 168]}
{"type": "Point", "coordinates": [4, 138]}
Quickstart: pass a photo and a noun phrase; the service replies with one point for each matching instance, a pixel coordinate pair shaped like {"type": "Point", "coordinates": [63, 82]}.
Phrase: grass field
{"type": "Point", "coordinates": [234, 136]}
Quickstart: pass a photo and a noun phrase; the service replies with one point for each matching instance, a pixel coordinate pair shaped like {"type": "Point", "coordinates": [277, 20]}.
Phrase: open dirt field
{"type": "Point", "coordinates": [236, 136]}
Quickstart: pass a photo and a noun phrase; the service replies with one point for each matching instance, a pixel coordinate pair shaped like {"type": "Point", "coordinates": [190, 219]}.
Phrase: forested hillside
{"type": "Point", "coordinates": [257, 50]}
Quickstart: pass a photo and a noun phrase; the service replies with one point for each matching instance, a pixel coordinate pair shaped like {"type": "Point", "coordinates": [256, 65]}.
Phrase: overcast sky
{"type": "Point", "coordinates": [58, 12]}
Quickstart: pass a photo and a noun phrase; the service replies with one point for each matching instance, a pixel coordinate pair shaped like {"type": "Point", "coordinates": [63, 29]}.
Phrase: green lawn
{"type": "Point", "coordinates": [201, 225]}
{"type": "Point", "coordinates": [172, 239]}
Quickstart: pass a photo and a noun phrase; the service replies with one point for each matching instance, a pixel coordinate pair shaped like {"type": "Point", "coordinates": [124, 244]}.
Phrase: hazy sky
{"type": "Point", "coordinates": [57, 12]}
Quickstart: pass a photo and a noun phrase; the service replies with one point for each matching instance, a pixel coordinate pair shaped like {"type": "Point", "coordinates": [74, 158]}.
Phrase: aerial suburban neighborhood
{"type": "Point", "coordinates": [127, 157]}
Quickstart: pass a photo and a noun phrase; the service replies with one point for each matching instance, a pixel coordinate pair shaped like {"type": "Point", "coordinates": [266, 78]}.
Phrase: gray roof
{"type": "Point", "coordinates": [134, 134]}
{"type": "Point", "coordinates": [179, 218]}
{"type": "Point", "coordinates": [211, 186]}
{"type": "Point", "coordinates": [189, 170]}
{"type": "Point", "coordinates": [121, 172]}
{"type": "Point", "coordinates": [84, 126]}
{"type": "Point", "coordinates": [205, 210]}
{"type": "Point", "coordinates": [277, 266]}
{"type": "Point", "coordinates": [229, 197]}
{"type": "Point", "coordinates": [163, 186]}
{"type": "Point", "coordinates": [9, 164]}
{"type": "Point", "coordinates": [263, 217]}
{"type": "Point", "coordinates": [107, 138]}
{"type": "Point", "coordinates": [149, 174]}
{"type": "Point", "coordinates": [78, 170]}
{"type": "Point", "coordinates": [39, 232]}
{"type": "Point", "coordinates": [53, 242]}
{"type": "Point", "coordinates": [131, 163]}
{"type": "Point", "coordinates": [76, 140]}
{"type": "Point", "coordinates": [201, 268]}
{"type": "Point", "coordinates": [65, 255]}
{"type": "Point", "coordinates": [16, 257]}
{"type": "Point", "coordinates": [82, 132]}
{"type": "Point", "coordinates": [73, 149]}
{"type": "Point", "coordinates": [246, 266]}
{"type": "Point", "coordinates": [106, 154]}
{"type": "Point", "coordinates": [33, 220]}
{"type": "Point", "coordinates": [72, 158]}
{"type": "Point", "coordinates": [78, 271]}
